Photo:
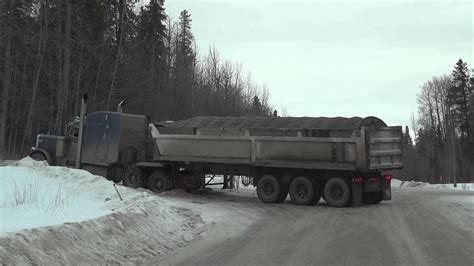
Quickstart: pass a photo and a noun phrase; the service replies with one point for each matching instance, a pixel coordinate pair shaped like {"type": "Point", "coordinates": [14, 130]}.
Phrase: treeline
{"type": "Point", "coordinates": [54, 51]}
{"type": "Point", "coordinates": [443, 151]}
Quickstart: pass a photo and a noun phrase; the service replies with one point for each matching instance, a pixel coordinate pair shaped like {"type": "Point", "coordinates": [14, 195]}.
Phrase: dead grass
{"type": "Point", "coordinates": [32, 193]}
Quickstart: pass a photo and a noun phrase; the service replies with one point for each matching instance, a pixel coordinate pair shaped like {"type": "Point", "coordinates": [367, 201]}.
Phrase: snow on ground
{"type": "Point", "coordinates": [34, 194]}
{"type": "Point", "coordinates": [460, 186]}
{"type": "Point", "coordinates": [56, 215]}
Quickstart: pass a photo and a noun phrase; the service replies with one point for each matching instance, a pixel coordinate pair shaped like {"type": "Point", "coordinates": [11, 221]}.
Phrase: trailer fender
{"type": "Point", "coordinates": [34, 155]}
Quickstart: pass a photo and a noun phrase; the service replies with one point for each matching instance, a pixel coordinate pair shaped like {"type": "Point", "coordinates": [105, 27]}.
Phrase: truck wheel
{"type": "Point", "coordinates": [132, 177]}
{"type": "Point", "coordinates": [372, 197]}
{"type": "Point", "coordinates": [302, 191]}
{"type": "Point", "coordinates": [159, 181]}
{"type": "Point", "coordinates": [268, 189]}
{"type": "Point", "coordinates": [38, 156]}
{"type": "Point", "coordinates": [284, 187]}
{"type": "Point", "coordinates": [337, 192]}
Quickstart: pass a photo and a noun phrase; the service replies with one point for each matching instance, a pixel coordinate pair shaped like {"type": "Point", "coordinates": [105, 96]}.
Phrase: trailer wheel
{"type": "Point", "coordinates": [159, 181]}
{"type": "Point", "coordinates": [337, 192]}
{"type": "Point", "coordinates": [268, 189]}
{"type": "Point", "coordinates": [302, 191]}
{"type": "Point", "coordinates": [372, 197]}
{"type": "Point", "coordinates": [132, 177]}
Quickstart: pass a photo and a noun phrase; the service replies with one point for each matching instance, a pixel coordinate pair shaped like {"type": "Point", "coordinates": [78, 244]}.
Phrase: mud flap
{"type": "Point", "coordinates": [356, 194]}
{"type": "Point", "coordinates": [387, 190]}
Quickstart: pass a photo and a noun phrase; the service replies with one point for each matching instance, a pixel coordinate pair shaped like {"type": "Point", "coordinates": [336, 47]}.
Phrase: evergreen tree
{"type": "Point", "coordinates": [151, 34]}
{"type": "Point", "coordinates": [458, 96]}
{"type": "Point", "coordinates": [256, 106]}
{"type": "Point", "coordinates": [185, 37]}
{"type": "Point", "coordinates": [471, 111]}
{"type": "Point", "coordinates": [183, 91]}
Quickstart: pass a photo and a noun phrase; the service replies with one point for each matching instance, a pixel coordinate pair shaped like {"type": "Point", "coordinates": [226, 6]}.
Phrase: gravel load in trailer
{"type": "Point", "coordinates": [259, 122]}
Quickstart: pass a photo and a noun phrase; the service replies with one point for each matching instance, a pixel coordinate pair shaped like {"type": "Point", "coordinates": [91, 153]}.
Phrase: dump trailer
{"type": "Point", "coordinates": [343, 160]}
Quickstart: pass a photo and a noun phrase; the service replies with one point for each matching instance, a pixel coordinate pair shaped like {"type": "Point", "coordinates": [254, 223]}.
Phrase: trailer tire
{"type": "Point", "coordinates": [159, 181]}
{"type": "Point", "coordinates": [337, 192]}
{"type": "Point", "coordinates": [372, 197]}
{"type": "Point", "coordinates": [268, 189]}
{"type": "Point", "coordinates": [132, 177]}
{"type": "Point", "coordinates": [302, 191]}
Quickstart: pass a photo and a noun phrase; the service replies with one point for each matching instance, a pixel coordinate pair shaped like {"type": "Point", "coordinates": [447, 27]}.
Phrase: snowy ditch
{"type": "Point", "coordinates": [57, 215]}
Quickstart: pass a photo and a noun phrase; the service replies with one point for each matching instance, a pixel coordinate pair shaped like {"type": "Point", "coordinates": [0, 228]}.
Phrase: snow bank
{"type": "Point", "coordinates": [34, 194]}
{"type": "Point", "coordinates": [56, 215]}
{"type": "Point", "coordinates": [460, 186]}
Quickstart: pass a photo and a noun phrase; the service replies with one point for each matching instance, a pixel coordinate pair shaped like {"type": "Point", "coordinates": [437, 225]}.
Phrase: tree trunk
{"type": "Point", "coordinates": [67, 60]}
{"type": "Point", "coordinates": [117, 60]}
{"type": "Point", "coordinates": [6, 25]}
{"type": "Point", "coordinates": [5, 97]}
{"type": "Point", "coordinates": [39, 63]}
{"type": "Point", "coordinates": [96, 84]}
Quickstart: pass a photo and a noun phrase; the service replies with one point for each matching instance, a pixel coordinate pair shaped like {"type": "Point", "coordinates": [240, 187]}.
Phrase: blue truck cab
{"type": "Point", "coordinates": [111, 141]}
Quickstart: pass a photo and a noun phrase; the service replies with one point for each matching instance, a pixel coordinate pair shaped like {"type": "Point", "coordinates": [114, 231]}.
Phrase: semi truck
{"type": "Point", "coordinates": [343, 160]}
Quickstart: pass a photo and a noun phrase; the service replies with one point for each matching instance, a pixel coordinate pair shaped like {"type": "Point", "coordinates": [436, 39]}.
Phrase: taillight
{"type": "Point", "coordinates": [357, 179]}
{"type": "Point", "coordinates": [388, 177]}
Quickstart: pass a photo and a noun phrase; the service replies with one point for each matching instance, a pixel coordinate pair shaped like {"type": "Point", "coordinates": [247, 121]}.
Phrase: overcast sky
{"type": "Point", "coordinates": [337, 58]}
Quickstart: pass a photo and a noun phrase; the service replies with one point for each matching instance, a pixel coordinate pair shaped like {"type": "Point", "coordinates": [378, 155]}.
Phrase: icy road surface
{"type": "Point", "coordinates": [418, 227]}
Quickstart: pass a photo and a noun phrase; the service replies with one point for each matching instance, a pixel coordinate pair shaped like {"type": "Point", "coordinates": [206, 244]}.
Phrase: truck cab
{"type": "Point", "coordinates": [111, 141]}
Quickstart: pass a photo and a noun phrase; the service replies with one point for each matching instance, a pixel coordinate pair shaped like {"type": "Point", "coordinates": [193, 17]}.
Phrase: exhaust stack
{"type": "Point", "coordinates": [120, 106]}
{"type": "Point", "coordinates": [81, 130]}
